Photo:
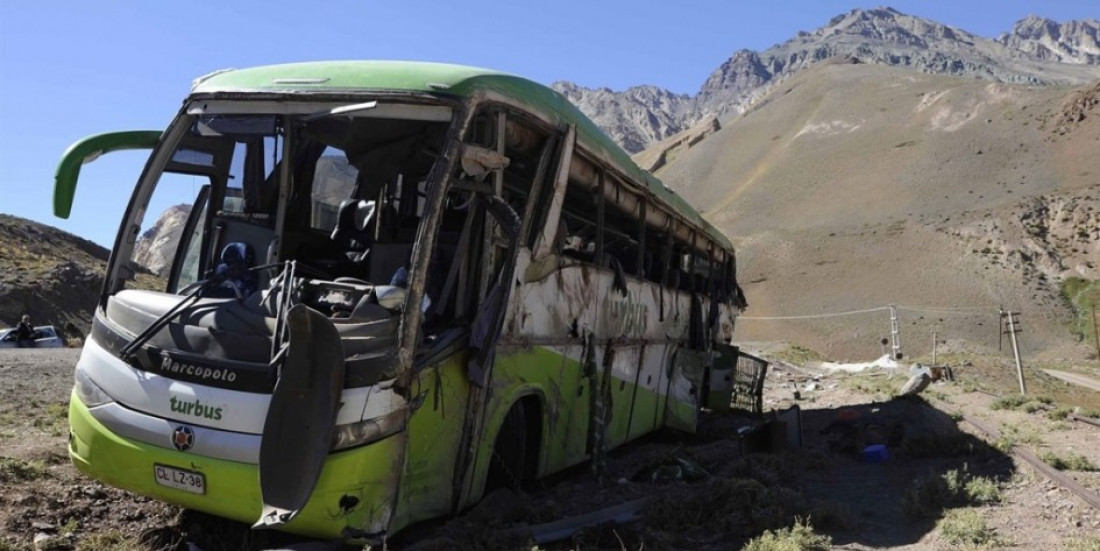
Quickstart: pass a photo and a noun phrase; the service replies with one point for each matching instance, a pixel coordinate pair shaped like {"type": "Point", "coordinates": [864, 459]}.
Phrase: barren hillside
{"type": "Point", "coordinates": [854, 186]}
{"type": "Point", "coordinates": [52, 275]}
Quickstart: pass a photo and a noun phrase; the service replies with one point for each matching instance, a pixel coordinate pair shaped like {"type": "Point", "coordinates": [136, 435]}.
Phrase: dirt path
{"type": "Point", "coordinates": [1087, 382]}
{"type": "Point", "coordinates": [859, 504]}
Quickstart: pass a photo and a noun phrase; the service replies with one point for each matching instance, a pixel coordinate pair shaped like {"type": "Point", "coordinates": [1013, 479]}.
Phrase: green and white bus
{"type": "Point", "coordinates": [349, 296]}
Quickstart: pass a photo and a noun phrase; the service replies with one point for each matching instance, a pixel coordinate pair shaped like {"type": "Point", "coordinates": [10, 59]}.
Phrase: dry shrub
{"type": "Point", "coordinates": [1071, 462]}
{"type": "Point", "coordinates": [21, 470]}
{"type": "Point", "coordinates": [967, 527]}
{"type": "Point", "coordinates": [930, 495]}
{"type": "Point", "coordinates": [1012, 401]}
{"type": "Point", "coordinates": [109, 540]}
{"type": "Point", "coordinates": [800, 537]}
{"type": "Point", "coordinates": [1082, 544]}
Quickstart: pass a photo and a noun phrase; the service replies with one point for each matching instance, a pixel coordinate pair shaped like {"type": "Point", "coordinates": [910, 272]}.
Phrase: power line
{"type": "Point", "coordinates": [945, 308]}
{"type": "Point", "coordinates": [962, 311]}
{"type": "Point", "coordinates": [811, 316]}
{"type": "Point", "coordinates": [958, 310]}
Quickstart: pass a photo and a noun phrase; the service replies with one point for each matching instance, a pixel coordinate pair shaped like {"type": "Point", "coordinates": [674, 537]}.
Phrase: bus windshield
{"type": "Point", "coordinates": [371, 161]}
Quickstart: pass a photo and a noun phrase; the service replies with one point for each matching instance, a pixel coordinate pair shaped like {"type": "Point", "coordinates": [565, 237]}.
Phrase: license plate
{"type": "Point", "coordinates": [180, 479]}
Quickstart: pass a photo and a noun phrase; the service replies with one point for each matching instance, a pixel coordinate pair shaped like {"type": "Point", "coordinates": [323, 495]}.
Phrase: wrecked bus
{"type": "Point", "coordinates": [349, 296]}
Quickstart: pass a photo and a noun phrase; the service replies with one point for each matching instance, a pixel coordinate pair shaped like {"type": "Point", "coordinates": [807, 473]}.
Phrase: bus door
{"type": "Point", "coordinates": [688, 372]}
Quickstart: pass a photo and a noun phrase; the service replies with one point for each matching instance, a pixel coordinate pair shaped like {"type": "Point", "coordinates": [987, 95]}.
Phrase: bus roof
{"type": "Point", "coordinates": [445, 79]}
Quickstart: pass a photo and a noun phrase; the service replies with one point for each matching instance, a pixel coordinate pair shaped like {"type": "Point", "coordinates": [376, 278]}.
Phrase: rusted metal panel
{"type": "Point", "coordinates": [748, 383]}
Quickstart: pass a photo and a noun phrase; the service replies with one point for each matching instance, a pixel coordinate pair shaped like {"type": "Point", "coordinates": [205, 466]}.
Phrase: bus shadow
{"type": "Point", "coordinates": [887, 472]}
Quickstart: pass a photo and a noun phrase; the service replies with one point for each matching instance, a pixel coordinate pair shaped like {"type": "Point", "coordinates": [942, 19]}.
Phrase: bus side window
{"type": "Point", "coordinates": [621, 234]}
{"type": "Point", "coordinates": [655, 264]}
{"type": "Point", "coordinates": [576, 237]}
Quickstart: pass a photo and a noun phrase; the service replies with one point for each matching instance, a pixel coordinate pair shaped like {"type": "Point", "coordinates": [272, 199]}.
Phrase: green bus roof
{"type": "Point", "coordinates": [444, 79]}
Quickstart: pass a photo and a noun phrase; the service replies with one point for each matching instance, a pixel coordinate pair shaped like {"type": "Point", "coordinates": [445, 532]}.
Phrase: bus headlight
{"type": "Point", "coordinates": [89, 392]}
{"type": "Point", "coordinates": [364, 432]}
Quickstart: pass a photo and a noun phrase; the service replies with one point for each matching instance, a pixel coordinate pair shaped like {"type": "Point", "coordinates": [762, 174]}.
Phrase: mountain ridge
{"type": "Point", "coordinates": [1033, 52]}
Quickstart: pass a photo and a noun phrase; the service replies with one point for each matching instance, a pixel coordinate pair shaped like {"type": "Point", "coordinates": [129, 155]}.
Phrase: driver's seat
{"type": "Point", "coordinates": [235, 270]}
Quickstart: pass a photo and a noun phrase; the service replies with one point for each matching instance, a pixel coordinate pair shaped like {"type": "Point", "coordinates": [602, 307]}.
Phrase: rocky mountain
{"type": "Point", "coordinates": [157, 245]}
{"type": "Point", "coordinates": [637, 117]}
{"type": "Point", "coordinates": [52, 275]}
{"type": "Point", "coordinates": [1070, 42]}
{"type": "Point", "coordinates": [1037, 51]}
{"type": "Point", "coordinates": [851, 187]}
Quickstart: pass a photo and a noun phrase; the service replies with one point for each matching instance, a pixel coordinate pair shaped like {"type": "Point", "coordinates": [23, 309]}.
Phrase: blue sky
{"type": "Point", "coordinates": [70, 69]}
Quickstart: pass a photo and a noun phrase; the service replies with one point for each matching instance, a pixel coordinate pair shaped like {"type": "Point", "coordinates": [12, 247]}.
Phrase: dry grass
{"type": "Point", "coordinates": [1071, 462]}
{"type": "Point", "coordinates": [800, 537]}
{"type": "Point", "coordinates": [967, 527]}
{"type": "Point", "coordinates": [877, 385]}
{"type": "Point", "coordinates": [797, 355]}
{"type": "Point", "coordinates": [931, 495]}
{"type": "Point", "coordinates": [112, 540]}
{"type": "Point", "coordinates": [21, 470]}
{"type": "Point", "coordinates": [1082, 544]}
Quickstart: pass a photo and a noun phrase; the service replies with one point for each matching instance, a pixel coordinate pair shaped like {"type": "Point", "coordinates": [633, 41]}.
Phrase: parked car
{"type": "Point", "coordinates": [45, 336]}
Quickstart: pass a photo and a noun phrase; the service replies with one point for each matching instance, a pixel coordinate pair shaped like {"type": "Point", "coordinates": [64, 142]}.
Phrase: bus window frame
{"type": "Point", "coordinates": [544, 243]}
{"type": "Point", "coordinates": [199, 214]}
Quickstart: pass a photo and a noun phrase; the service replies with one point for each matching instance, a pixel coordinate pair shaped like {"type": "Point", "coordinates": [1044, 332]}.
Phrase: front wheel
{"type": "Point", "coordinates": [507, 462]}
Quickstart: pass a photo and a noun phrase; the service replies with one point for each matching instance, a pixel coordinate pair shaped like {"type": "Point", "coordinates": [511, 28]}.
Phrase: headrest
{"type": "Point", "coordinates": [237, 252]}
{"type": "Point", "coordinates": [353, 217]}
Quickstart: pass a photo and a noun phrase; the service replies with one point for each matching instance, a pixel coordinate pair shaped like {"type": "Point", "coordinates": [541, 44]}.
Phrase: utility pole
{"type": "Point", "coordinates": [1012, 330]}
{"type": "Point", "coordinates": [1095, 333]}
{"type": "Point", "coordinates": [895, 336]}
{"type": "Point", "coordinates": [933, 348]}
{"type": "Point", "coordinates": [1000, 331]}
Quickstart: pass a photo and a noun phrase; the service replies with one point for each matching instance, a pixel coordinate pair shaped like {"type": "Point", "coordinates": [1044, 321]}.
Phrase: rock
{"type": "Point", "coordinates": [916, 384]}
{"type": "Point", "coordinates": [52, 542]}
{"type": "Point", "coordinates": [39, 525]}
{"type": "Point", "coordinates": [1069, 42]}
{"type": "Point", "coordinates": [155, 248]}
{"type": "Point", "coordinates": [92, 492]}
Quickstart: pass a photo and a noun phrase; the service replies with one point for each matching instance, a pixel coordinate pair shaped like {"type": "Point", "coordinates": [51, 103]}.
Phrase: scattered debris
{"type": "Point", "coordinates": [916, 384]}
{"type": "Point", "coordinates": [884, 362]}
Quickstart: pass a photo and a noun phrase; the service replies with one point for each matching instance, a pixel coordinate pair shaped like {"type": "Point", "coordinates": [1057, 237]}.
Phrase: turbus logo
{"type": "Point", "coordinates": [630, 312]}
{"type": "Point", "coordinates": [196, 408]}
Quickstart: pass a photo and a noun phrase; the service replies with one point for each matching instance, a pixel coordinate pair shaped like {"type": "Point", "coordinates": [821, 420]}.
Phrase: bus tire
{"type": "Point", "coordinates": [507, 462]}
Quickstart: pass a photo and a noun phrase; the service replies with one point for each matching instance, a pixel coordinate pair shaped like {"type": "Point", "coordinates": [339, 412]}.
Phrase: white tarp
{"type": "Point", "coordinates": [885, 362]}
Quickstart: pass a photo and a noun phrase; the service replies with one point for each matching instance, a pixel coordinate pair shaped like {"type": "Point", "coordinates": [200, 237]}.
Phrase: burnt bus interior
{"type": "Point", "coordinates": [349, 221]}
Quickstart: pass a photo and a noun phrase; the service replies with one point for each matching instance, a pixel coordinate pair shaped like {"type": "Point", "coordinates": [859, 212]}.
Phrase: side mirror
{"type": "Point", "coordinates": [88, 150]}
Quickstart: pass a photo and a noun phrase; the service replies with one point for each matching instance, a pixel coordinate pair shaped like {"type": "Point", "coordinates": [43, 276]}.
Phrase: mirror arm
{"type": "Point", "coordinates": [88, 150]}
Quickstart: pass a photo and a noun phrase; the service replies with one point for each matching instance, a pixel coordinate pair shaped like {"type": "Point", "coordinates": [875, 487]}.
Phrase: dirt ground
{"type": "Point", "coordinates": [712, 490]}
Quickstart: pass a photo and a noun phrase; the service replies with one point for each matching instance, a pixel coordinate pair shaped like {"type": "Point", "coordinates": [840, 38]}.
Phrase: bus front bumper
{"type": "Point", "coordinates": [353, 499]}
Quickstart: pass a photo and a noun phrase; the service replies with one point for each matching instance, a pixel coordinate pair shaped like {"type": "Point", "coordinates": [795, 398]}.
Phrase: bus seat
{"type": "Point", "coordinates": [352, 232]}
